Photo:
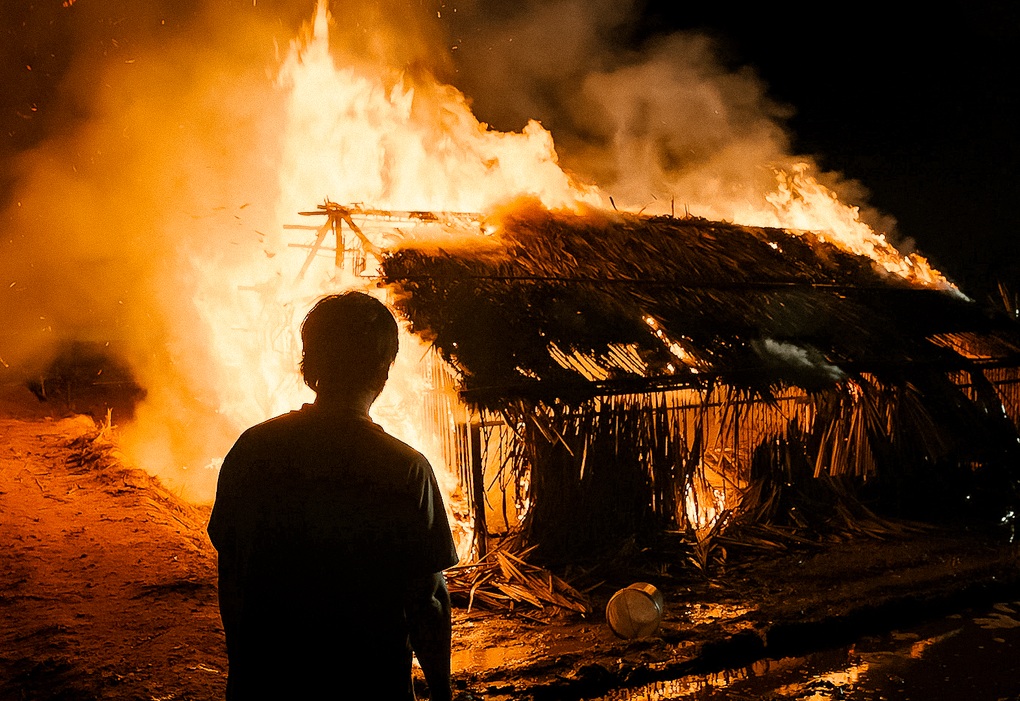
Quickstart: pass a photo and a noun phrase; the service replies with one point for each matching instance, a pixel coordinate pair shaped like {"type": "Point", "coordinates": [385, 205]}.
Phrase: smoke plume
{"type": "Point", "coordinates": [659, 122]}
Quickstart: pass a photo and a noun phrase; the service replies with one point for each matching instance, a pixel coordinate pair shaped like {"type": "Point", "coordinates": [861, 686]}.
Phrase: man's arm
{"type": "Point", "coordinates": [427, 603]}
{"type": "Point", "coordinates": [227, 522]}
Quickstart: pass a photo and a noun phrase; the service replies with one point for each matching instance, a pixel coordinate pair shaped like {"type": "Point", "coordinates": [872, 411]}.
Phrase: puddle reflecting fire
{"type": "Point", "coordinates": [970, 655]}
{"type": "Point", "coordinates": [489, 657]}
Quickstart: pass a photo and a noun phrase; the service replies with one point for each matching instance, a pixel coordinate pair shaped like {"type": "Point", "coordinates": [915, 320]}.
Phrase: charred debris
{"type": "Point", "coordinates": [682, 382]}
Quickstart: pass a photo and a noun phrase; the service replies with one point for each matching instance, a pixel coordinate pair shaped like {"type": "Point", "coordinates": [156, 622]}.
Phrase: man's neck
{"type": "Point", "coordinates": [349, 403]}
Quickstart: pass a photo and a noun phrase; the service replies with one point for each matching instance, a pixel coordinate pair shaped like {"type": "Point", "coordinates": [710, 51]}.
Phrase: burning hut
{"type": "Point", "coordinates": [629, 376]}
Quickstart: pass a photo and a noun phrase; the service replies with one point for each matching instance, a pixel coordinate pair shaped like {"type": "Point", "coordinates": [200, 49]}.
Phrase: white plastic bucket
{"type": "Point", "coordinates": [635, 611]}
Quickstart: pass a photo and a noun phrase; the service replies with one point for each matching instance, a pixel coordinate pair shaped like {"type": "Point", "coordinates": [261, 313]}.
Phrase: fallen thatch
{"type": "Point", "coordinates": [504, 581]}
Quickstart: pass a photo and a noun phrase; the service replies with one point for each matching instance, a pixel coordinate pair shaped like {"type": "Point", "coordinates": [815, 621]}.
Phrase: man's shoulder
{"type": "Point", "coordinates": [273, 430]}
{"type": "Point", "coordinates": [390, 443]}
{"type": "Point", "coordinates": [306, 426]}
{"type": "Point", "coordinates": [389, 457]}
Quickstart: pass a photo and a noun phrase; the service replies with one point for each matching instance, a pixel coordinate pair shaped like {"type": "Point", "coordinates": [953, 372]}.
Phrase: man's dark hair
{"type": "Point", "coordinates": [349, 341]}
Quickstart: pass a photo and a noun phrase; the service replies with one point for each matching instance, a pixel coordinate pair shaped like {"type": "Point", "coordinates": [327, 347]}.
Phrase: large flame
{"type": "Point", "coordinates": [371, 135]}
{"type": "Point", "coordinates": [380, 140]}
{"type": "Point", "coordinates": [350, 134]}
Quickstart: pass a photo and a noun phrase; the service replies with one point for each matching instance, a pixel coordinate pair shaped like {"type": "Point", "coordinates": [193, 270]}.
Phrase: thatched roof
{"type": "Point", "coordinates": [563, 305]}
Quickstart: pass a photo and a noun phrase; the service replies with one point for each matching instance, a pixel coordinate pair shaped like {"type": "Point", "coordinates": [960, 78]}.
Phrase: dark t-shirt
{"type": "Point", "coordinates": [321, 519]}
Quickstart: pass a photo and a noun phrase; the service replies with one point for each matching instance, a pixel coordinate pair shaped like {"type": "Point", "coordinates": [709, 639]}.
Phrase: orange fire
{"type": "Point", "coordinates": [370, 135]}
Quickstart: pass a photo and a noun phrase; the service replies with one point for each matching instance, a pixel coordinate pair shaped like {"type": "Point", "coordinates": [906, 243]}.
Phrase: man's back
{"type": "Point", "coordinates": [321, 519]}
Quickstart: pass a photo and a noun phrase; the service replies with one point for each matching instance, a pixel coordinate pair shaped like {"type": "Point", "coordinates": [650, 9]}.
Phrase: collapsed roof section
{"type": "Point", "coordinates": [562, 306]}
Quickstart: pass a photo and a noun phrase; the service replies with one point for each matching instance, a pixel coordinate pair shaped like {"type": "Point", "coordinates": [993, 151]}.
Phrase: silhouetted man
{"type": "Point", "coordinates": [331, 534]}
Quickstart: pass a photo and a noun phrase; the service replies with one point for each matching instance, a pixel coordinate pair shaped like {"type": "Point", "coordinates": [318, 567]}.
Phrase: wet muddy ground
{"type": "Point", "coordinates": [782, 607]}
{"type": "Point", "coordinates": [971, 654]}
{"type": "Point", "coordinates": [107, 590]}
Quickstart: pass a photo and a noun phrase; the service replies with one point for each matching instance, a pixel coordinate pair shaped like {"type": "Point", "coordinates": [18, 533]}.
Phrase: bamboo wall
{"type": "Point", "coordinates": [571, 475]}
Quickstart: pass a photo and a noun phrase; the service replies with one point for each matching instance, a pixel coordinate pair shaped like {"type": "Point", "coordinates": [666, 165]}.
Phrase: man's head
{"type": "Point", "coordinates": [349, 342]}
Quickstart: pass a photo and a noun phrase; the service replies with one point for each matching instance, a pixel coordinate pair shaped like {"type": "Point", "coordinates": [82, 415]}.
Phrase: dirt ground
{"type": "Point", "coordinates": [108, 591]}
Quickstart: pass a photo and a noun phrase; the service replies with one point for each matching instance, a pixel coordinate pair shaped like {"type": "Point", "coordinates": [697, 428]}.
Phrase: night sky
{"type": "Point", "coordinates": [920, 108]}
